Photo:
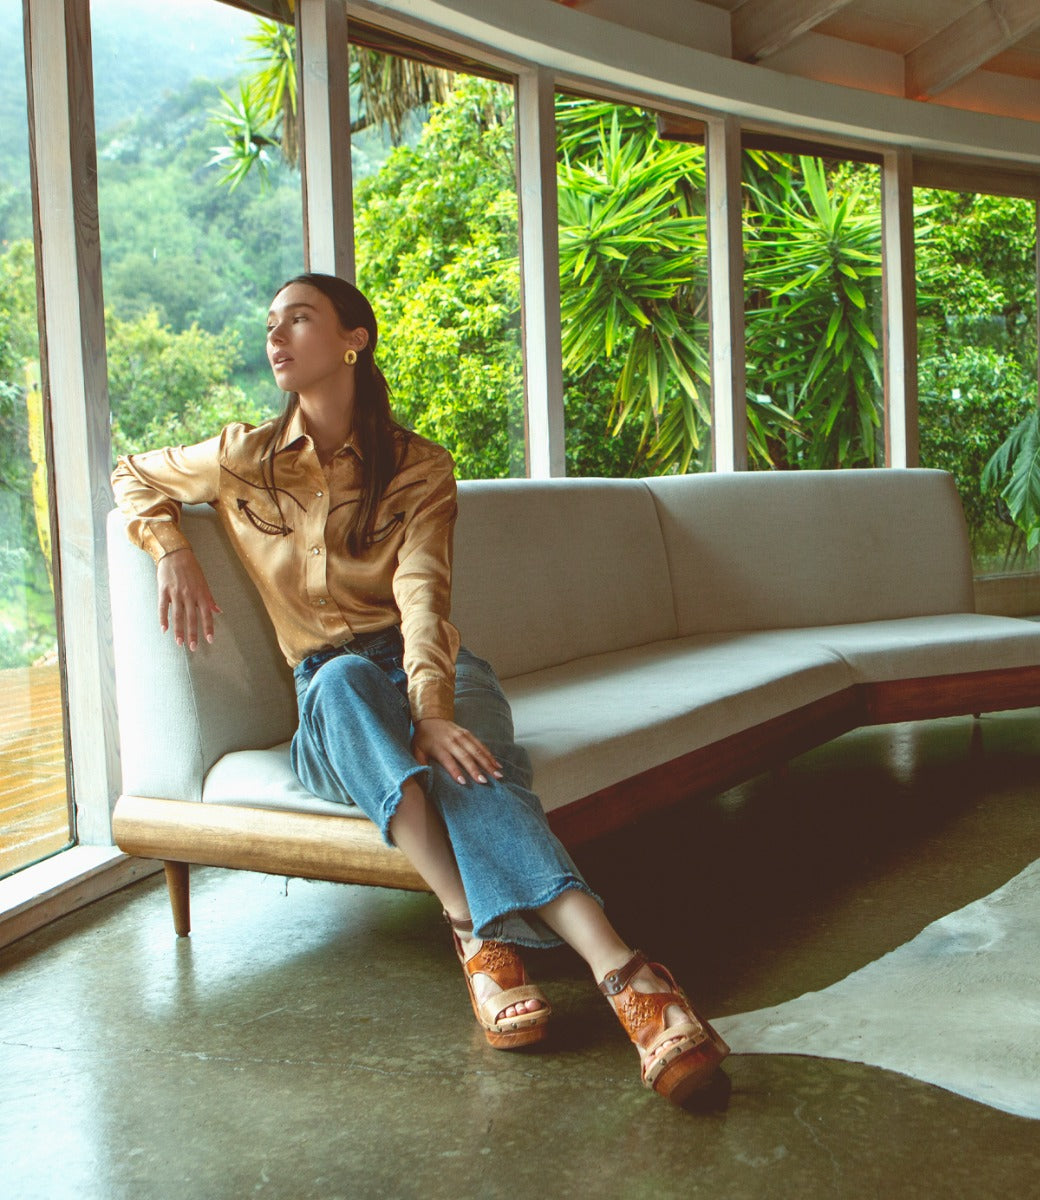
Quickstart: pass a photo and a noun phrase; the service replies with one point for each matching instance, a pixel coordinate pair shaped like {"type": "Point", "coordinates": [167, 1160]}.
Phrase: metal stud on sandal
{"type": "Point", "coordinates": [501, 963]}
{"type": "Point", "coordinates": [688, 1063]}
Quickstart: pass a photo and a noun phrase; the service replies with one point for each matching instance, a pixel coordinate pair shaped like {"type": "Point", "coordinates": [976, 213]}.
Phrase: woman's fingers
{"type": "Point", "coordinates": [185, 601]}
{"type": "Point", "coordinates": [458, 751]}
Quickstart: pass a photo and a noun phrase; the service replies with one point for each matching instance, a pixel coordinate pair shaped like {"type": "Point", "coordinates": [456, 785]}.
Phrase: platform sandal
{"type": "Point", "coordinates": [696, 1051]}
{"type": "Point", "coordinates": [501, 963]}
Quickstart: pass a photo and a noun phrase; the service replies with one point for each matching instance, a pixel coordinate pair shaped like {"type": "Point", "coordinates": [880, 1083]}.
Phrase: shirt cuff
{"type": "Point", "coordinates": [160, 538]}
{"type": "Point", "coordinates": [430, 699]}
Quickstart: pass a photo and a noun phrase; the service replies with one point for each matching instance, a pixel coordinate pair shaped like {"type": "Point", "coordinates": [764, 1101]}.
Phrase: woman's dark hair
{"type": "Point", "coordinates": [374, 426]}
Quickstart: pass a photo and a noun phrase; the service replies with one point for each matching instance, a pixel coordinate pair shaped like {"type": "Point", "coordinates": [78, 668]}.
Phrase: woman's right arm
{"type": "Point", "coordinates": [150, 489]}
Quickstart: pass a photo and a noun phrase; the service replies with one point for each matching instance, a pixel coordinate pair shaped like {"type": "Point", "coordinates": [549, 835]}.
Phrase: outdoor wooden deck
{"type": "Point", "coordinates": [34, 817]}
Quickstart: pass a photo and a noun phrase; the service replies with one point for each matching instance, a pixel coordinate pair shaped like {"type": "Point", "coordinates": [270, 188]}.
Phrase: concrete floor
{"type": "Point", "coordinates": [310, 1040]}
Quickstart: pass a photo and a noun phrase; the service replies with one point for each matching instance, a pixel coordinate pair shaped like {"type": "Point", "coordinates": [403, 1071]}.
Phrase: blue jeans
{"type": "Point", "coordinates": [353, 745]}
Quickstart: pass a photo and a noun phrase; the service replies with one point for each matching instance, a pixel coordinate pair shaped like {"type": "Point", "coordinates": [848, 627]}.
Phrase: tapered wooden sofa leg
{"type": "Point", "coordinates": [180, 903]}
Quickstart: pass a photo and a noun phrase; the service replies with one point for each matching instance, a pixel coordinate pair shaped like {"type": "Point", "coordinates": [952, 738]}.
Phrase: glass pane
{"type": "Point", "coordinates": [813, 311]}
{"type": "Point", "coordinates": [633, 293]}
{"type": "Point", "coordinates": [34, 807]}
{"type": "Point", "coordinates": [977, 368]}
{"type": "Point", "coordinates": [192, 250]}
{"type": "Point", "coordinates": [436, 229]}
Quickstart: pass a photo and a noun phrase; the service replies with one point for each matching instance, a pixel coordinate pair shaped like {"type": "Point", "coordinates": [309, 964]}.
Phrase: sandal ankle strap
{"type": "Point", "coordinates": [615, 982]}
{"type": "Point", "coordinates": [457, 925]}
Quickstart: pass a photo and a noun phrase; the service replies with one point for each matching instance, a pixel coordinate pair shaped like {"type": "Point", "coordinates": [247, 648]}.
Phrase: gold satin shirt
{"type": "Point", "coordinates": [317, 594]}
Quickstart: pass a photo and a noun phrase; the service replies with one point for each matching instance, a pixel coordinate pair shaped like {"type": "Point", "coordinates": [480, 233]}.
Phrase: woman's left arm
{"type": "Point", "coordinates": [422, 590]}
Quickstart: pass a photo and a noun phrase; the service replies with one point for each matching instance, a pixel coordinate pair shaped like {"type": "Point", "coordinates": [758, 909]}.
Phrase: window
{"type": "Point", "coordinates": [633, 293]}
{"type": "Point", "coordinates": [436, 234]}
{"type": "Point", "coordinates": [813, 311]}
{"type": "Point", "coordinates": [977, 291]}
{"type": "Point", "coordinates": [35, 818]}
{"type": "Point", "coordinates": [190, 262]}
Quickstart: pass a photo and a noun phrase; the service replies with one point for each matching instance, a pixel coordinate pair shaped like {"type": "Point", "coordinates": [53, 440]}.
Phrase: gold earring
{"type": "Point", "coordinates": [350, 358]}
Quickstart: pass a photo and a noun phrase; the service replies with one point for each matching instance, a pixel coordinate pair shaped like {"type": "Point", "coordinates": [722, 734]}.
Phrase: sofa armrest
{"type": "Point", "coordinates": [180, 711]}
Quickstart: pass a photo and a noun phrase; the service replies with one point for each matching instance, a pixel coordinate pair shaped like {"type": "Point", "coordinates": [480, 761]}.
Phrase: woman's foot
{"type": "Point", "coordinates": [679, 1051]}
{"type": "Point", "coordinates": [511, 1011]}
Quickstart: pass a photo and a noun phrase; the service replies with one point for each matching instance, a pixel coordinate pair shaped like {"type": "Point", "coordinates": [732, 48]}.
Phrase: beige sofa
{"type": "Point", "coordinates": [656, 638]}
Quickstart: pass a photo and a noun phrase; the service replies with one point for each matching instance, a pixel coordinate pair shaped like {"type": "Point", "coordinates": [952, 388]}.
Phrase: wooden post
{"type": "Point", "coordinates": [540, 274]}
{"type": "Point", "coordinates": [177, 884]}
{"type": "Point", "coordinates": [323, 69]}
{"type": "Point", "coordinates": [902, 440]}
{"type": "Point", "coordinates": [75, 386]}
{"type": "Point", "coordinates": [726, 290]}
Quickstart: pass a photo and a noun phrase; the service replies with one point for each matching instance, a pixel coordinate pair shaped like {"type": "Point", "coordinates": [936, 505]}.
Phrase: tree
{"type": "Point", "coordinates": [27, 625]}
{"type": "Point", "coordinates": [437, 252]}
{"type": "Point", "coordinates": [167, 387]}
{"type": "Point", "coordinates": [812, 237]}
{"type": "Point", "coordinates": [977, 336]}
{"type": "Point", "coordinates": [632, 274]}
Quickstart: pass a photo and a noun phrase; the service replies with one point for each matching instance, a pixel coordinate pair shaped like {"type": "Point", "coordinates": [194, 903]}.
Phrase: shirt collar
{"type": "Point", "coordinates": [296, 430]}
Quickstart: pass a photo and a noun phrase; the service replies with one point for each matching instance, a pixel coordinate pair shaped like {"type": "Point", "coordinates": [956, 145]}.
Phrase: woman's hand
{"type": "Point", "coordinates": [184, 598]}
{"type": "Point", "coordinates": [457, 750]}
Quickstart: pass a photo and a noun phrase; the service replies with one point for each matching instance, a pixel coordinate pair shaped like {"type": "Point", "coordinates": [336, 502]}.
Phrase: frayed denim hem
{"type": "Point", "coordinates": [523, 927]}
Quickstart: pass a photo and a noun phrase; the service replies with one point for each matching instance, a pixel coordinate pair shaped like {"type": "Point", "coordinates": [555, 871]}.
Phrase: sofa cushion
{"type": "Point", "coordinates": [550, 571]}
{"type": "Point", "coordinates": [593, 723]}
{"type": "Point", "coordinates": [793, 549]}
{"type": "Point", "coordinates": [265, 779]}
{"type": "Point", "coordinates": [915, 647]}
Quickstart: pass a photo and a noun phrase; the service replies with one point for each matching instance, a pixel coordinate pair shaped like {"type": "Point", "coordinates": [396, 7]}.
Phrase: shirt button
{"type": "Point", "coordinates": [319, 494]}
{"type": "Point", "coordinates": [321, 602]}
{"type": "Point", "coordinates": [316, 550]}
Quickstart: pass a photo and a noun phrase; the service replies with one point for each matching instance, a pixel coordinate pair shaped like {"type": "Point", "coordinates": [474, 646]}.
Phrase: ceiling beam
{"type": "Point", "coordinates": [963, 47]}
{"type": "Point", "coordinates": [760, 27]}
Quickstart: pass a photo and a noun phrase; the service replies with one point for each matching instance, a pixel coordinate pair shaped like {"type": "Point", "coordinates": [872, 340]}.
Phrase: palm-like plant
{"type": "Point", "coordinates": [262, 118]}
{"type": "Point", "coordinates": [385, 89]}
{"type": "Point", "coordinates": [632, 273]}
{"type": "Point", "coordinates": [813, 255]}
{"type": "Point", "coordinates": [1016, 465]}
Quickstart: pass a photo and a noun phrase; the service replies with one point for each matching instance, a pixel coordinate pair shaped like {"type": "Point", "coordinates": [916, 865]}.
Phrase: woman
{"type": "Point", "coordinates": [344, 521]}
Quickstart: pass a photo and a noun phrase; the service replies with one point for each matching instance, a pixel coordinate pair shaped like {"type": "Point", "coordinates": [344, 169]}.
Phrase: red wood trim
{"type": "Point", "coordinates": [709, 769]}
{"type": "Point", "coordinates": [951, 695]}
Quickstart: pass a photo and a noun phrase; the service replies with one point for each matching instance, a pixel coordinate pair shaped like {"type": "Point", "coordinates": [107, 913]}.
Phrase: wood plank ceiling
{"type": "Point", "coordinates": [942, 44]}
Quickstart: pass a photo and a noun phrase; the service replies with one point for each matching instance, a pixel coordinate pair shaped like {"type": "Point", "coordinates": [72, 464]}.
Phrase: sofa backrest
{"type": "Point", "coordinates": [792, 549]}
{"type": "Point", "coordinates": [550, 571]}
{"type": "Point", "coordinates": [180, 711]}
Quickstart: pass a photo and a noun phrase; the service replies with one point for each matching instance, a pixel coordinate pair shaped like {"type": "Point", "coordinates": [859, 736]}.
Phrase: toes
{"type": "Point", "coordinates": [520, 1010]}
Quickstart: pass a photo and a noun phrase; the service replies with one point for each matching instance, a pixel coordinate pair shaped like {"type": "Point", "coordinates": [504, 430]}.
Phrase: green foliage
{"type": "Point", "coordinates": [168, 387]}
{"type": "Point", "coordinates": [977, 342]}
{"type": "Point", "coordinates": [195, 253]}
{"type": "Point", "coordinates": [1018, 462]}
{"type": "Point", "coordinates": [632, 255]}
{"type": "Point", "coordinates": [436, 249]}
{"type": "Point", "coordinates": [27, 626]}
{"type": "Point", "coordinates": [18, 349]}
{"type": "Point", "coordinates": [968, 397]}
{"type": "Point", "coordinates": [813, 249]}
{"type": "Point", "coordinates": [262, 117]}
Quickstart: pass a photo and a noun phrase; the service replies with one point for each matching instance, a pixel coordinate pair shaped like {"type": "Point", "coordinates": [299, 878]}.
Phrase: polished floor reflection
{"type": "Point", "coordinates": [311, 1040]}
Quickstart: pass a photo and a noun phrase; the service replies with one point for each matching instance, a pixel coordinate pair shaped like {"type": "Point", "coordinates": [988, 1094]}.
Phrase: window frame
{"type": "Point", "coordinates": [561, 53]}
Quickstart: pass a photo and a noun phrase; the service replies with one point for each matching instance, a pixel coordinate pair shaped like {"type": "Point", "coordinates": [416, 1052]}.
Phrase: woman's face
{"type": "Point", "coordinates": [305, 341]}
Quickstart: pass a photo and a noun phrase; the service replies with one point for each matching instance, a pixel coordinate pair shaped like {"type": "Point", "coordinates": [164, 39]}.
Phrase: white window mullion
{"type": "Point", "coordinates": [75, 377]}
{"type": "Point", "coordinates": [726, 291]}
{"type": "Point", "coordinates": [323, 68]}
{"type": "Point", "coordinates": [902, 440]}
{"type": "Point", "coordinates": [540, 274]}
